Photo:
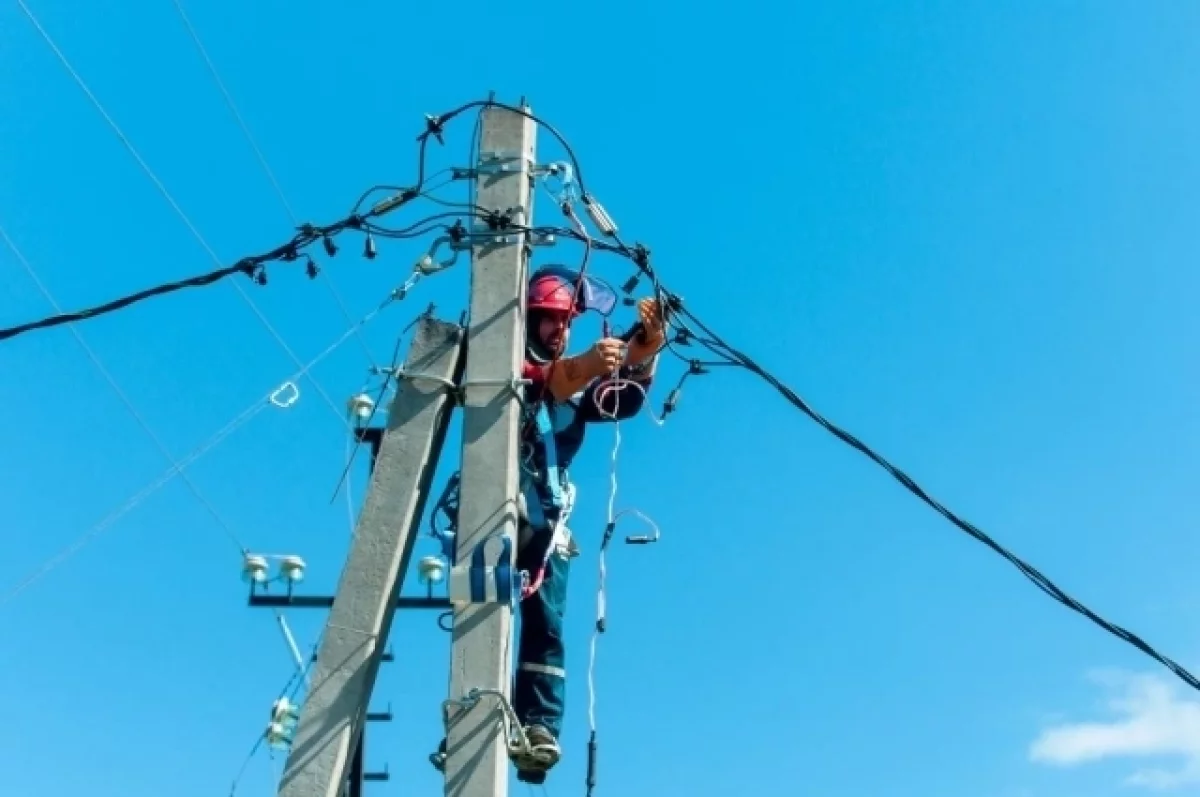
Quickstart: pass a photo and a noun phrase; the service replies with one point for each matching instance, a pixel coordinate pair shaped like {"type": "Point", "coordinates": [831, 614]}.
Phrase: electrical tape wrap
{"type": "Point", "coordinates": [475, 581]}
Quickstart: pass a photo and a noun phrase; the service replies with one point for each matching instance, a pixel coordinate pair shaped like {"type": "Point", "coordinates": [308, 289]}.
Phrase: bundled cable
{"type": "Point", "coordinates": [735, 357]}
{"type": "Point", "coordinates": [254, 266]}
{"type": "Point", "coordinates": [118, 304]}
{"type": "Point", "coordinates": [306, 235]}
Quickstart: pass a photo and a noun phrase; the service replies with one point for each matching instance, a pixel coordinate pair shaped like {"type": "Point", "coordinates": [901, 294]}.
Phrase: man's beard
{"type": "Point", "coordinates": [537, 349]}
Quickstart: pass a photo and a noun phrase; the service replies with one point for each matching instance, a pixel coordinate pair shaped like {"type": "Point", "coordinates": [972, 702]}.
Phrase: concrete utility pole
{"type": "Point", "coordinates": [357, 628]}
{"type": "Point", "coordinates": [476, 762]}
{"type": "Point", "coordinates": [359, 774]}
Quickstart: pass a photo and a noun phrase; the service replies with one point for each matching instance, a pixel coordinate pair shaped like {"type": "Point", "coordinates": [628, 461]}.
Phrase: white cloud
{"type": "Point", "coordinates": [1150, 719]}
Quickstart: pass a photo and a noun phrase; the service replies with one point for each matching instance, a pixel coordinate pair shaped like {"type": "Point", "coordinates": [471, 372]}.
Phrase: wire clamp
{"type": "Point", "coordinates": [401, 292]}
{"type": "Point", "coordinates": [429, 264]}
{"type": "Point", "coordinates": [484, 236]}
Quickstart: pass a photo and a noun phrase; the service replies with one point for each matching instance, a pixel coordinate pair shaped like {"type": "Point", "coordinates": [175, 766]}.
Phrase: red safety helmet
{"type": "Point", "coordinates": [552, 288]}
{"type": "Point", "coordinates": [553, 292]}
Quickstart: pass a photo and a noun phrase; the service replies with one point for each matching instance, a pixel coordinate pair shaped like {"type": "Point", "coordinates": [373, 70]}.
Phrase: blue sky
{"type": "Point", "coordinates": [964, 231]}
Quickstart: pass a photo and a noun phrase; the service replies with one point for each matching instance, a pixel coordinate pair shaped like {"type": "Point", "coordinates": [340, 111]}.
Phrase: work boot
{"type": "Point", "coordinates": [543, 752]}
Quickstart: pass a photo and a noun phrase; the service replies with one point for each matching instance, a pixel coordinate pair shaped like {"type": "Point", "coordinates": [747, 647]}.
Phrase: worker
{"type": "Point", "coordinates": [565, 393]}
{"type": "Point", "coordinates": [562, 396]}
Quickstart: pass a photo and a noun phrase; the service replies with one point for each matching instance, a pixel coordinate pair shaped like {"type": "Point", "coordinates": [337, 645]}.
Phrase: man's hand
{"type": "Point", "coordinates": [650, 314]}
{"type": "Point", "coordinates": [606, 356]}
{"type": "Point", "coordinates": [571, 374]}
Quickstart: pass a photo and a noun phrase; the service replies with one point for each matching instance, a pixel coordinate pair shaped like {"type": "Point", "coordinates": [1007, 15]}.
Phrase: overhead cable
{"type": "Point", "coordinates": [262, 159]}
{"type": "Point", "coordinates": [162, 189]}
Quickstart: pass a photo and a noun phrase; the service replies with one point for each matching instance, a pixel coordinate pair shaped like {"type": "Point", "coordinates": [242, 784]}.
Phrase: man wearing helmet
{"type": "Point", "coordinates": [564, 395]}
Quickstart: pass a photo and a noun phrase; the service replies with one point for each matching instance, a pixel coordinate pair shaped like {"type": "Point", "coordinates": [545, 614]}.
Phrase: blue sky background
{"type": "Point", "coordinates": [965, 231]}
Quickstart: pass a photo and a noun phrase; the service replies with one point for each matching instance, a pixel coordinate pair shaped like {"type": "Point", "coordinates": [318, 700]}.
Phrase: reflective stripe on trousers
{"type": "Point", "coordinates": [544, 669]}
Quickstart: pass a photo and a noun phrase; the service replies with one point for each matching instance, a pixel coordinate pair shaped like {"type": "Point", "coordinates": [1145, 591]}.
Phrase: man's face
{"type": "Point", "coordinates": [554, 332]}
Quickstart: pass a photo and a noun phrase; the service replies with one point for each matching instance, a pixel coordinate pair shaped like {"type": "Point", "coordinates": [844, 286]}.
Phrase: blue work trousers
{"type": "Point", "coordinates": [539, 690]}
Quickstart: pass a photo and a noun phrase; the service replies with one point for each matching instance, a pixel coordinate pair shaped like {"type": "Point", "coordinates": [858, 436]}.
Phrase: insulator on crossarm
{"type": "Point", "coordinates": [292, 568]}
{"type": "Point", "coordinates": [431, 570]}
{"type": "Point", "coordinates": [254, 568]}
{"type": "Point", "coordinates": [361, 406]}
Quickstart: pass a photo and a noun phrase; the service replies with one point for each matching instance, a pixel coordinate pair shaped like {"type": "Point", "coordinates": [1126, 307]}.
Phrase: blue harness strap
{"type": "Point", "coordinates": [553, 477]}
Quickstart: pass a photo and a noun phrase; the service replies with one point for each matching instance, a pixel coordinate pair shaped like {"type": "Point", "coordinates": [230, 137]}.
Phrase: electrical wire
{"type": "Point", "coordinates": [262, 159]}
{"type": "Point", "coordinates": [683, 317]}
{"type": "Point", "coordinates": [150, 174]}
{"type": "Point", "coordinates": [133, 410]}
{"type": "Point", "coordinates": [351, 514]}
{"type": "Point", "coordinates": [299, 677]}
{"type": "Point", "coordinates": [253, 266]}
{"type": "Point", "coordinates": [140, 419]}
{"type": "Point", "coordinates": [1039, 580]}
{"type": "Point", "coordinates": [121, 394]}
{"type": "Point", "coordinates": [294, 249]}
{"type": "Point", "coordinates": [352, 451]}
{"type": "Point", "coordinates": [436, 125]}
{"type": "Point", "coordinates": [454, 176]}
{"type": "Point", "coordinates": [154, 486]}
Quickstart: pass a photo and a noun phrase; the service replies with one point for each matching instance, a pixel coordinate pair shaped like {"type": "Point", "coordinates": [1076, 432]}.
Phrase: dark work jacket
{"type": "Point", "coordinates": [570, 419]}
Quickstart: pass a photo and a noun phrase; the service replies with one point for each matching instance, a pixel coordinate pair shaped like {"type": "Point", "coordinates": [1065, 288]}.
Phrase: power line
{"type": "Point", "coordinates": [262, 160]}
{"type": "Point", "coordinates": [169, 198]}
{"type": "Point", "coordinates": [254, 266]}
{"type": "Point", "coordinates": [133, 410]}
{"type": "Point", "coordinates": [1029, 571]}
{"type": "Point", "coordinates": [295, 249]}
{"type": "Point", "coordinates": [121, 394]}
{"type": "Point", "coordinates": [290, 689]}
{"type": "Point", "coordinates": [189, 459]}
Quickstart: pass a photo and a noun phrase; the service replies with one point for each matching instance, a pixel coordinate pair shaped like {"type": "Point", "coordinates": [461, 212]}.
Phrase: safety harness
{"type": "Point", "coordinates": [548, 490]}
{"type": "Point", "coordinates": [546, 500]}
